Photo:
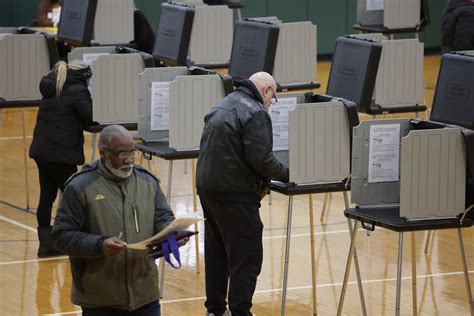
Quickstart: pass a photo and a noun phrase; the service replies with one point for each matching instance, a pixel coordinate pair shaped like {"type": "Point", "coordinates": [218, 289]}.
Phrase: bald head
{"type": "Point", "coordinates": [266, 85]}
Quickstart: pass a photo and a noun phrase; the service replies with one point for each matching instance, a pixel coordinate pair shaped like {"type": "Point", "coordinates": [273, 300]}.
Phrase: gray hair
{"type": "Point", "coordinates": [111, 131]}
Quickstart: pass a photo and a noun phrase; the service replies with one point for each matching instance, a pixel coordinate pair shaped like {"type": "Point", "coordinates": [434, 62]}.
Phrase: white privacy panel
{"type": "Point", "coordinates": [79, 53]}
{"type": "Point", "coordinates": [295, 59]}
{"type": "Point", "coordinates": [400, 73]}
{"type": "Point", "coordinates": [113, 22]}
{"type": "Point", "coordinates": [211, 36]}
{"type": "Point", "coordinates": [24, 59]}
{"type": "Point", "coordinates": [432, 174]}
{"type": "Point", "coordinates": [191, 97]}
{"type": "Point", "coordinates": [145, 82]}
{"type": "Point", "coordinates": [319, 143]}
{"type": "Point", "coordinates": [115, 88]}
{"type": "Point", "coordinates": [401, 13]}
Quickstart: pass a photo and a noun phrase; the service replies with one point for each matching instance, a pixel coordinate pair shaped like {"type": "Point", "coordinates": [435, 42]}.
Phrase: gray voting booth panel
{"type": "Point", "coordinates": [145, 80]}
{"type": "Point", "coordinates": [295, 58]}
{"type": "Point", "coordinates": [363, 192]}
{"type": "Point", "coordinates": [8, 30]}
{"type": "Point", "coordinates": [400, 74]}
{"type": "Point", "coordinates": [80, 53]}
{"type": "Point", "coordinates": [191, 97]}
{"type": "Point", "coordinates": [401, 13]}
{"type": "Point", "coordinates": [115, 88]}
{"type": "Point", "coordinates": [211, 35]}
{"type": "Point", "coordinates": [113, 22]}
{"type": "Point", "coordinates": [24, 59]}
{"type": "Point", "coordinates": [368, 17]}
{"type": "Point", "coordinates": [432, 174]}
{"type": "Point", "coordinates": [319, 144]}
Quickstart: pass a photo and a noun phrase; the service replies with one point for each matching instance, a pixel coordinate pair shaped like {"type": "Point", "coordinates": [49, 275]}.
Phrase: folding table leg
{"type": "Point", "coordinates": [25, 159]}
{"type": "Point", "coordinates": [162, 261]}
{"type": "Point", "coordinates": [413, 274]}
{"type": "Point", "coordinates": [356, 261]}
{"type": "Point", "coordinates": [325, 203]}
{"type": "Point", "coordinates": [399, 273]}
{"type": "Point", "coordinates": [466, 273]}
{"type": "Point", "coordinates": [287, 254]}
{"type": "Point", "coordinates": [270, 198]}
{"type": "Point", "coordinates": [94, 143]}
{"type": "Point", "coordinates": [196, 228]}
{"type": "Point", "coordinates": [429, 235]}
{"type": "Point", "coordinates": [348, 268]}
{"type": "Point", "coordinates": [313, 255]}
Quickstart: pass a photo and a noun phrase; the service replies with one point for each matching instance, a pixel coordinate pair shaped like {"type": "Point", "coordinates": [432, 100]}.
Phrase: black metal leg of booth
{"type": "Point", "coordinates": [399, 273]}
{"type": "Point", "coordinates": [466, 273]}
{"type": "Point", "coordinates": [348, 267]}
{"type": "Point", "coordinates": [287, 254]}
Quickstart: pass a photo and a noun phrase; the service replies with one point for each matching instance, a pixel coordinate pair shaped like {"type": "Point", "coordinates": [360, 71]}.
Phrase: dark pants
{"type": "Point", "coordinates": [51, 178]}
{"type": "Point", "coordinates": [233, 254]}
{"type": "Point", "coordinates": [152, 309]}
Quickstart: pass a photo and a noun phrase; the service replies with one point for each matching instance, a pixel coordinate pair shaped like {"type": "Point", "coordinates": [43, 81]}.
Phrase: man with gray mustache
{"type": "Point", "coordinates": [106, 205]}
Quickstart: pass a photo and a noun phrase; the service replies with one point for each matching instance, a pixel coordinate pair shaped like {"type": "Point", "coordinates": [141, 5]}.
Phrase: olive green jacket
{"type": "Point", "coordinates": [96, 204]}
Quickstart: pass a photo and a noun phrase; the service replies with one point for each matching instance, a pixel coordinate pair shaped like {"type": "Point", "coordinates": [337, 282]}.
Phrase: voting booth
{"type": "Point", "coordinates": [414, 175]}
{"type": "Point", "coordinates": [422, 166]}
{"type": "Point", "coordinates": [193, 33]}
{"type": "Point", "coordinates": [399, 85]}
{"type": "Point", "coordinates": [174, 101]}
{"type": "Point", "coordinates": [392, 16]}
{"type": "Point", "coordinates": [114, 81]}
{"type": "Point", "coordinates": [97, 22]}
{"type": "Point", "coordinates": [285, 50]}
{"type": "Point", "coordinates": [25, 57]}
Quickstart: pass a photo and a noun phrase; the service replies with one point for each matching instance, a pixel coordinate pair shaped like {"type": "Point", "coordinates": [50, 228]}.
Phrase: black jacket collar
{"type": "Point", "coordinates": [248, 87]}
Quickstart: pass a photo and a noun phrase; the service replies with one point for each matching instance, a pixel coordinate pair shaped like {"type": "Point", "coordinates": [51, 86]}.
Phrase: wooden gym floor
{"type": "Point", "coordinates": [32, 286]}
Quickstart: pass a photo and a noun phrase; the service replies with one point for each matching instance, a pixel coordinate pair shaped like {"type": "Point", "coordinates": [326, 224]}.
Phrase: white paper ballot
{"type": "Point", "coordinates": [160, 106]}
{"type": "Point", "coordinates": [180, 223]}
{"type": "Point", "coordinates": [280, 114]}
{"type": "Point", "coordinates": [373, 5]}
{"type": "Point", "coordinates": [384, 153]}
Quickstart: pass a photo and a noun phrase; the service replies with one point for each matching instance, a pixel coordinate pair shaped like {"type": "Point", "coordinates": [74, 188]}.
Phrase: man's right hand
{"type": "Point", "coordinates": [112, 246]}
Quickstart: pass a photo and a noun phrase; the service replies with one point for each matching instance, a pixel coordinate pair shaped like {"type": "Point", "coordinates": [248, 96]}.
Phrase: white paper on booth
{"type": "Point", "coordinates": [384, 153]}
{"type": "Point", "coordinates": [373, 5]}
{"type": "Point", "coordinates": [91, 57]}
{"type": "Point", "coordinates": [179, 224]}
{"type": "Point", "coordinates": [160, 106]}
{"type": "Point", "coordinates": [280, 114]}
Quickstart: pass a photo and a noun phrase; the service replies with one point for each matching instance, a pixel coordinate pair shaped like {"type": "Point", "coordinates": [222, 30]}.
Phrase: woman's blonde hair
{"type": "Point", "coordinates": [61, 73]}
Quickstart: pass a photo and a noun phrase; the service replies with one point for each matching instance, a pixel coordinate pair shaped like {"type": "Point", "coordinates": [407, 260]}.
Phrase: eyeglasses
{"type": "Point", "coordinates": [122, 154]}
{"type": "Point", "coordinates": [274, 98]}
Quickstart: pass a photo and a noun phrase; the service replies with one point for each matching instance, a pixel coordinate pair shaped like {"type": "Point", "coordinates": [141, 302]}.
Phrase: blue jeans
{"type": "Point", "coordinates": [152, 309]}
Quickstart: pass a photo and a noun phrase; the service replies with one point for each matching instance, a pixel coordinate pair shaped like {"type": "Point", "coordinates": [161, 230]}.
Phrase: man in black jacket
{"type": "Point", "coordinates": [457, 26]}
{"type": "Point", "coordinates": [234, 168]}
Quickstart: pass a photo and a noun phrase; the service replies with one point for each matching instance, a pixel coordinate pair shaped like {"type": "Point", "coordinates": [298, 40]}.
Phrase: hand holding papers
{"type": "Point", "coordinates": [179, 224]}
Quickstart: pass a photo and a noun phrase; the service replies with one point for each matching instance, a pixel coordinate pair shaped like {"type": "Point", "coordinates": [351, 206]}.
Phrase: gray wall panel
{"type": "Point", "coordinates": [295, 57]}
{"type": "Point", "coordinates": [145, 79]}
{"type": "Point", "coordinates": [113, 22]}
{"type": "Point", "coordinates": [191, 97]}
{"type": "Point", "coordinates": [432, 174]}
{"type": "Point", "coordinates": [24, 59]}
{"type": "Point", "coordinates": [363, 192]}
{"type": "Point", "coordinates": [211, 36]}
{"type": "Point", "coordinates": [401, 13]}
{"type": "Point", "coordinates": [115, 88]}
{"type": "Point", "coordinates": [319, 143]}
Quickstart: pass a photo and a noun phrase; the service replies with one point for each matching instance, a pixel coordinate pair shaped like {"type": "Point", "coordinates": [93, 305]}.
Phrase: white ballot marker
{"type": "Point", "coordinates": [179, 224]}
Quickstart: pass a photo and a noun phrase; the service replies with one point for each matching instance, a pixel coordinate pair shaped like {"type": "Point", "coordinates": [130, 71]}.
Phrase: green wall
{"type": "Point", "coordinates": [333, 18]}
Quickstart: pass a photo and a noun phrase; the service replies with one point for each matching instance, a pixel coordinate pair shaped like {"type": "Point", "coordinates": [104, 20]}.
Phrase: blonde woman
{"type": "Point", "coordinates": [57, 147]}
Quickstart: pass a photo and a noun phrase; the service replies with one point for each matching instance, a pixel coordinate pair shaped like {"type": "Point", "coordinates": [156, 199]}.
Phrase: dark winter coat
{"type": "Point", "coordinates": [457, 26]}
{"type": "Point", "coordinates": [236, 160]}
{"type": "Point", "coordinates": [58, 135]}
